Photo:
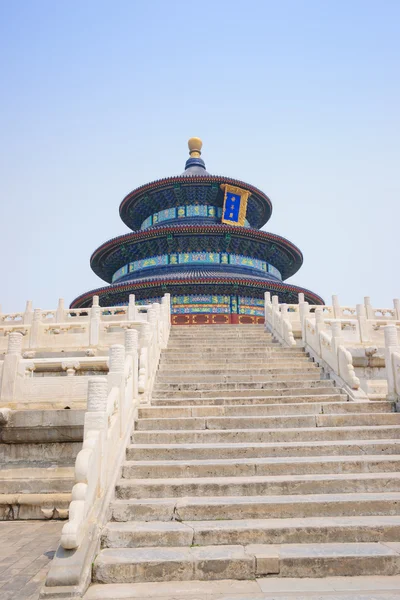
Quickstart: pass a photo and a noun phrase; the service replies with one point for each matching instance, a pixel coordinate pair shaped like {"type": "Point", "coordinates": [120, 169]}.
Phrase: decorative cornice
{"type": "Point", "coordinates": [162, 282]}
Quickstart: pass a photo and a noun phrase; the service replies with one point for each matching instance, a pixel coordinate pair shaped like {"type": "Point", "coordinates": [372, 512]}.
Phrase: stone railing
{"type": "Point", "coordinates": [348, 341]}
{"type": "Point", "coordinates": [58, 368]}
{"type": "Point", "coordinates": [392, 358]}
{"type": "Point", "coordinates": [112, 405]}
{"type": "Point", "coordinates": [64, 329]}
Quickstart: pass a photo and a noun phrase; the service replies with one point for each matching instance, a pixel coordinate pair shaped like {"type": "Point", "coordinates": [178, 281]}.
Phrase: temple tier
{"type": "Point", "coordinates": [186, 240]}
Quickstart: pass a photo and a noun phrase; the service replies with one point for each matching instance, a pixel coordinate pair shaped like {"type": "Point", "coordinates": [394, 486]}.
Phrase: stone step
{"type": "Point", "coordinates": [258, 384]}
{"type": "Point", "coordinates": [205, 381]}
{"type": "Point", "coordinates": [28, 506]}
{"type": "Point", "coordinates": [233, 359]}
{"type": "Point", "coordinates": [131, 565]}
{"type": "Point", "coordinates": [246, 410]}
{"type": "Point", "coordinates": [225, 348]}
{"type": "Point", "coordinates": [249, 450]}
{"type": "Point", "coordinates": [269, 390]}
{"type": "Point", "coordinates": [238, 375]}
{"type": "Point", "coordinates": [249, 357]}
{"type": "Point", "coordinates": [256, 507]}
{"type": "Point", "coordinates": [222, 339]}
{"type": "Point", "coordinates": [232, 353]}
{"type": "Point", "coordinates": [317, 530]}
{"type": "Point", "coordinates": [36, 480]}
{"type": "Point", "coordinates": [258, 485]}
{"type": "Point", "coordinates": [304, 434]}
{"type": "Point", "coordinates": [236, 467]}
{"type": "Point", "coordinates": [268, 422]}
{"type": "Point", "coordinates": [43, 426]}
{"type": "Point", "coordinates": [53, 451]}
{"type": "Point", "coordinates": [210, 366]}
{"type": "Point", "coordinates": [323, 395]}
{"type": "Point", "coordinates": [274, 588]}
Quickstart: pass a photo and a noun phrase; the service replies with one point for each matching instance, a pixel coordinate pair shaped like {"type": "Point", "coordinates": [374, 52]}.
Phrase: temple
{"type": "Point", "coordinates": [197, 236]}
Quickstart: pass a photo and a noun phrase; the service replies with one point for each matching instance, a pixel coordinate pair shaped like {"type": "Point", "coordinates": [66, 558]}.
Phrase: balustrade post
{"type": "Point", "coordinates": [303, 313]}
{"type": "Point", "coordinates": [391, 345]}
{"type": "Point", "coordinates": [337, 311]}
{"type": "Point", "coordinates": [60, 314]}
{"type": "Point", "coordinates": [152, 320]}
{"type": "Point", "coordinates": [396, 305]}
{"type": "Point", "coordinates": [116, 378]}
{"type": "Point", "coordinates": [166, 318]}
{"type": "Point", "coordinates": [363, 323]}
{"type": "Point", "coordinates": [96, 423]}
{"type": "Point", "coordinates": [284, 315]}
{"type": "Point", "coordinates": [28, 314]}
{"type": "Point", "coordinates": [116, 365]}
{"type": "Point", "coordinates": [319, 326]}
{"type": "Point", "coordinates": [145, 341]}
{"type": "Point", "coordinates": [337, 340]}
{"type": "Point", "coordinates": [10, 367]}
{"type": "Point", "coordinates": [157, 322]}
{"type": "Point", "coordinates": [267, 308]}
{"type": "Point", "coordinates": [275, 307]}
{"type": "Point", "coordinates": [35, 328]}
{"type": "Point", "coordinates": [132, 349]}
{"type": "Point", "coordinates": [132, 308]}
{"type": "Point", "coordinates": [94, 323]}
{"type": "Point", "coordinates": [368, 307]}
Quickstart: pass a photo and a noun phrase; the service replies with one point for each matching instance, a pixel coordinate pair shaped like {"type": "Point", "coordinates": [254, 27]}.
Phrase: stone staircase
{"type": "Point", "coordinates": [38, 448]}
{"type": "Point", "coordinates": [249, 463]}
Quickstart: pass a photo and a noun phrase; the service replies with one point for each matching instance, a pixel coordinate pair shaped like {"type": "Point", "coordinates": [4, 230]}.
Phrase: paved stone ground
{"type": "Point", "coordinates": [26, 549]}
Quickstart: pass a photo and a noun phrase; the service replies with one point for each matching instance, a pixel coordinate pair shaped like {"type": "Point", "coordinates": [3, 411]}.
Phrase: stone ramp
{"type": "Point", "coordinates": [250, 463]}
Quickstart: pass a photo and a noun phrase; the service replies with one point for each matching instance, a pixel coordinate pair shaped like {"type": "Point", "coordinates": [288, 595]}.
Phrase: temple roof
{"type": "Point", "coordinates": [277, 250]}
{"type": "Point", "coordinates": [194, 187]}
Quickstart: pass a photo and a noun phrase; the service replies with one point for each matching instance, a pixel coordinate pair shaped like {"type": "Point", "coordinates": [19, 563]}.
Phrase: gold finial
{"type": "Point", "coordinates": [195, 145]}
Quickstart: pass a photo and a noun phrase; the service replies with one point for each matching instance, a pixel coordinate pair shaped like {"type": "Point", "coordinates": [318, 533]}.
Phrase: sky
{"type": "Point", "coordinates": [298, 97]}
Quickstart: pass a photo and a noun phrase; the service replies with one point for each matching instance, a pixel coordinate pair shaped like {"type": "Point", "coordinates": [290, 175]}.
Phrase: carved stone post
{"type": "Point", "coordinates": [10, 367]}
{"type": "Point", "coordinates": [35, 329]}
{"type": "Point", "coordinates": [304, 310]}
{"type": "Point", "coordinates": [337, 340]}
{"type": "Point", "coordinates": [97, 394]}
{"type": "Point", "coordinates": [396, 305]}
{"type": "Point", "coordinates": [96, 423]}
{"type": "Point", "coordinates": [267, 308]}
{"type": "Point", "coordinates": [368, 307]}
{"type": "Point", "coordinates": [391, 345]}
{"type": "Point", "coordinates": [275, 306]}
{"type": "Point", "coordinates": [363, 323]}
{"type": "Point", "coordinates": [116, 365]}
{"type": "Point", "coordinates": [94, 327]}
{"type": "Point", "coordinates": [60, 314]}
{"type": "Point", "coordinates": [132, 349]}
{"type": "Point", "coordinates": [337, 311]}
{"type": "Point", "coordinates": [132, 308]}
{"type": "Point", "coordinates": [145, 341]}
{"type": "Point", "coordinates": [319, 326]}
{"type": "Point", "coordinates": [166, 318]}
{"type": "Point", "coordinates": [28, 314]}
{"type": "Point", "coordinates": [284, 315]}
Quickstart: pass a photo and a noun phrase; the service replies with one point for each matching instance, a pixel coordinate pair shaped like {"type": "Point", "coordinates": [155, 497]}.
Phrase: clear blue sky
{"type": "Point", "coordinates": [300, 98]}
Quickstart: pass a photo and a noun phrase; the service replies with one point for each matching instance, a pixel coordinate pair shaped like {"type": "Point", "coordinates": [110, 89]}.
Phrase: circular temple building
{"type": "Point", "coordinates": [197, 236]}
